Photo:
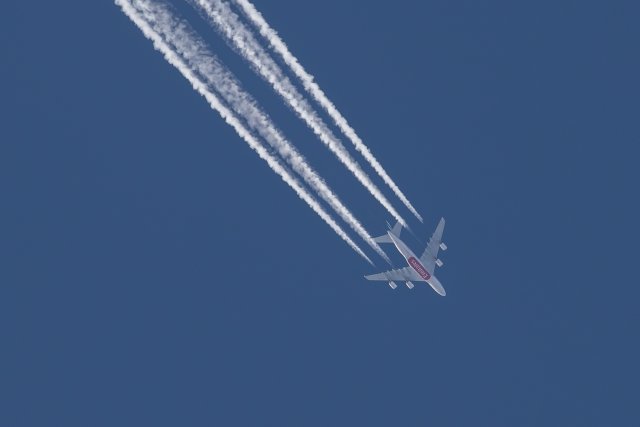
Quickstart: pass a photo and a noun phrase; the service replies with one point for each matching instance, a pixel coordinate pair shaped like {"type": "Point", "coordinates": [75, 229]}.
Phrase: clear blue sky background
{"type": "Point", "coordinates": [153, 271]}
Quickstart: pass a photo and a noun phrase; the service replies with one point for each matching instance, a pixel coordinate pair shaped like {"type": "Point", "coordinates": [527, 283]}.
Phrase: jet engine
{"type": "Point", "coordinates": [443, 246]}
{"type": "Point", "coordinates": [409, 284]}
{"type": "Point", "coordinates": [392, 285]}
{"type": "Point", "coordinates": [439, 263]}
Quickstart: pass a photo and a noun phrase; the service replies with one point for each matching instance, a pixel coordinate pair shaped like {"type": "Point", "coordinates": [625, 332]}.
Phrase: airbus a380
{"type": "Point", "coordinates": [419, 269]}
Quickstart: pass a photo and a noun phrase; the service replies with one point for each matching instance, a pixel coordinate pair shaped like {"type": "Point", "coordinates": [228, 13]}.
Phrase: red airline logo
{"type": "Point", "coordinates": [419, 268]}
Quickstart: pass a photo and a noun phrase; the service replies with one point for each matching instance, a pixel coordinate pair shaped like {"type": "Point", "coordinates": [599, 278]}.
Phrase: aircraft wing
{"type": "Point", "coordinates": [399, 274]}
{"type": "Point", "coordinates": [430, 254]}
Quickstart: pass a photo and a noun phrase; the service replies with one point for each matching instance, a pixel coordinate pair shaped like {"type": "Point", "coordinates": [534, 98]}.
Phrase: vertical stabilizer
{"type": "Point", "coordinates": [396, 229]}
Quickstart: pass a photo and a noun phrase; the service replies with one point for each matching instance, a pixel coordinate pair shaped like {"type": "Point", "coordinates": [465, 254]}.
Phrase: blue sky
{"type": "Point", "coordinates": [154, 271]}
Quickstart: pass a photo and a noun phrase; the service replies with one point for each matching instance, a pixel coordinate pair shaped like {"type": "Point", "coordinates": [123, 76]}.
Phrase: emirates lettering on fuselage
{"type": "Point", "coordinates": [415, 264]}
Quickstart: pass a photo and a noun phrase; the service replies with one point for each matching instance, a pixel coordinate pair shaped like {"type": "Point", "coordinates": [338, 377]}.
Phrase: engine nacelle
{"type": "Point", "coordinates": [439, 263]}
{"type": "Point", "coordinates": [409, 284]}
{"type": "Point", "coordinates": [392, 285]}
{"type": "Point", "coordinates": [443, 246]}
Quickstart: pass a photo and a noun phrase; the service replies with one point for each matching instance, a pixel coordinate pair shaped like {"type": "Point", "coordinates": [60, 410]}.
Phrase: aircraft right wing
{"type": "Point", "coordinates": [399, 274]}
{"type": "Point", "coordinates": [430, 254]}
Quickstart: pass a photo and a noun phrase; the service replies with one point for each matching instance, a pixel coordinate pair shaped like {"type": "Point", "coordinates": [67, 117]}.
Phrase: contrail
{"type": "Point", "coordinates": [199, 58]}
{"type": "Point", "coordinates": [227, 23]}
{"type": "Point", "coordinates": [274, 40]}
{"type": "Point", "coordinates": [216, 104]}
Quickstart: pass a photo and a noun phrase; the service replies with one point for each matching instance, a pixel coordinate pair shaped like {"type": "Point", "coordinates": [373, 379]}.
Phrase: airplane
{"type": "Point", "coordinates": [419, 269]}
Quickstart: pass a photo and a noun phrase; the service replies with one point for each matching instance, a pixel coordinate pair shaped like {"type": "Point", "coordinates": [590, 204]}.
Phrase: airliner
{"type": "Point", "coordinates": [419, 269]}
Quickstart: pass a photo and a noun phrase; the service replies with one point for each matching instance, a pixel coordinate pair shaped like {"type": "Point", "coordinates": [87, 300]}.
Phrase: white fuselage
{"type": "Point", "coordinates": [415, 264]}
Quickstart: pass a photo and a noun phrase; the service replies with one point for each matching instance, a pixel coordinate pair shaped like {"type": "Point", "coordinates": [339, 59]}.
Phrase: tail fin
{"type": "Point", "coordinates": [395, 230]}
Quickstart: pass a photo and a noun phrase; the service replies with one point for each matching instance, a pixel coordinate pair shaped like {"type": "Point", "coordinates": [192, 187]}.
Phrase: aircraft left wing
{"type": "Point", "coordinates": [399, 274]}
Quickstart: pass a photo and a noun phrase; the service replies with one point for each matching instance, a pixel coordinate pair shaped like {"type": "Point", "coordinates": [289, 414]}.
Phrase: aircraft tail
{"type": "Point", "coordinates": [395, 230]}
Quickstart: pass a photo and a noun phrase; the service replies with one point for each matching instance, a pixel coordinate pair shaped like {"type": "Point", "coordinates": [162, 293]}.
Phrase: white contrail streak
{"type": "Point", "coordinates": [240, 36]}
{"type": "Point", "coordinates": [274, 40]}
{"type": "Point", "coordinates": [174, 59]}
{"type": "Point", "coordinates": [196, 54]}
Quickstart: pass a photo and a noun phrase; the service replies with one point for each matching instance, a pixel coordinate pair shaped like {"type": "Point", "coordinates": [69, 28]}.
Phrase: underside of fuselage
{"type": "Point", "coordinates": [413, 262]}
{"type": "Point", "coordinates": [437, 286]}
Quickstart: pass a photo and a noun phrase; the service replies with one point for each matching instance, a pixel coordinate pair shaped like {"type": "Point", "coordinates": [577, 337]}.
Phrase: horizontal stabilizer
{"type": "Point", "coordinates": [383, 239]}
{"type": "Point", "coordinates": [395, 230]}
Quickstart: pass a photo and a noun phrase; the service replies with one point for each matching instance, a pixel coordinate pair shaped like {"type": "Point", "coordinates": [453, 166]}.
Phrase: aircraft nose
{"type": "Point", "coordinates": [437, 286]}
